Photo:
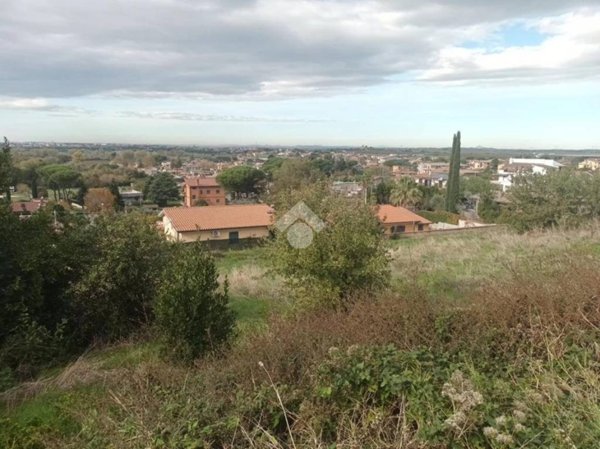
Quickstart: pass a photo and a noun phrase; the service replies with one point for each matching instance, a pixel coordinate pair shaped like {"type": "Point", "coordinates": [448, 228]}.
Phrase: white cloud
{"type": "Point", "coordinates": [570, 52]}
{"type": "Point", "coordinates": [39, 104]}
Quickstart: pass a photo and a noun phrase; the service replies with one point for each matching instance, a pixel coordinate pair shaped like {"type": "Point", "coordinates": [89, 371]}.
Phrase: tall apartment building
{"type": "Point", "coordinates": [199, 190]}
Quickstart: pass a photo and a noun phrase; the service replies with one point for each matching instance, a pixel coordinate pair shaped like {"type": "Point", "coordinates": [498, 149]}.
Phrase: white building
{"type": "Point", "coordinates": [517, 167]}
{"type": "Point", "coordinates": [589, 164]}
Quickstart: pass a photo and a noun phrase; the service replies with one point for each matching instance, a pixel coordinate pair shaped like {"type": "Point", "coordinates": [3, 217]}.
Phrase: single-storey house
{"type": "Point", "coordinates": [399, 220]}
{"type": "Point", "coordinates": [222, 223]}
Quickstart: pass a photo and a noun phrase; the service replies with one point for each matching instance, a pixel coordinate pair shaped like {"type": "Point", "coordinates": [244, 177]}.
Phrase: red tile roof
{"type": "Point", "coordinates": [396, 214]}
{"type": "Point", "coordinates": [202, 182]}
{"type": "Point", "coordinates": [28, 207]}
{"type": "Point", "coordinates": [186, 219]}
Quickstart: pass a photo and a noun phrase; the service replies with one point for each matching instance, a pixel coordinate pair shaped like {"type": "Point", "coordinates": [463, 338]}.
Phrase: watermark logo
{"type": "Point", "coordinates": [300, 224]}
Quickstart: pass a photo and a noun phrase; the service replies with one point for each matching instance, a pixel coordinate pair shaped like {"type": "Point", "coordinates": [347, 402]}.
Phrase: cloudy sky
{"type": "Point", "coordinates": [510, 73]}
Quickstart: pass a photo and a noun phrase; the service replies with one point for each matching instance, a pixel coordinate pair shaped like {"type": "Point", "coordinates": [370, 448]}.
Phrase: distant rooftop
{"type": "Point", "coordinates": [541, 162]}
{"type": "Point", "coordinates": [202, 182]}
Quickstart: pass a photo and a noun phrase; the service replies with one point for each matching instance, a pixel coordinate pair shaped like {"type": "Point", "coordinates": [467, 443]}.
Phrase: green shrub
{"type": "Point", "coordinates": [335, 263]}
{"type": "Point", "coordinates": [561, 198]}
{"type": "Point", "coordinates": [31, 345]}
{"type": "Point", "coordinates": [192, 314]}
{"type": "Point", "coordinates": [440, 216]}
{"type": "Point", "coordinates": [114, 297]}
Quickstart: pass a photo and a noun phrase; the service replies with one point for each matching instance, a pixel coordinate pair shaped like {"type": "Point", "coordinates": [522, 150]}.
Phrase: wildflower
{"type": "Point", "coordinates": [448, 390]}
{"type": "Point", "coordinates": [504, 438]}
{"type": "Point", "coordinates": [456, 421]}
{"type": "Point", "coordinates": [490, 432]}
{"type": "Point", "coordinates": [501, 420]}
{"type": "Point", "coordinates": [520, 427]}
{"type": "Point", "coordinates": [261, 364]}
{"type": "Point", "coordinates": [519, 416]}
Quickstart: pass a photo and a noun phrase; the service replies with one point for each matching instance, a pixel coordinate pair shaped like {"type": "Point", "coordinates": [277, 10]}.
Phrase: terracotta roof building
{"type": "Point", "coordinates": [232, 223]}
{"type": "Point", "coordinates": [207, 191]}
{"type": "Point", "coordinates": [26, 208]}
{"type": "Point", "coordinates": [399, 220]}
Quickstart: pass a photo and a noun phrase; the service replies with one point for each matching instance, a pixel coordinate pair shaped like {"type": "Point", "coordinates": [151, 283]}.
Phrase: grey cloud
{"type": "Point", "coordinates": [236, 48]}
{"type": "Point", "coordinates": [454, 13]}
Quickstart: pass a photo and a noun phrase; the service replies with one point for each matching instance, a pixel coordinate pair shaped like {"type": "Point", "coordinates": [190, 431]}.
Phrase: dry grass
{"type": "Point", "coordinates": [452, 265]}
{"type": "Point", "coordinates": [251, 281]}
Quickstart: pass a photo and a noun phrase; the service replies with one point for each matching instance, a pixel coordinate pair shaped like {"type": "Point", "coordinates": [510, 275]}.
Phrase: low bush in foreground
{"type": "Point", "coordinates": [192, 313]}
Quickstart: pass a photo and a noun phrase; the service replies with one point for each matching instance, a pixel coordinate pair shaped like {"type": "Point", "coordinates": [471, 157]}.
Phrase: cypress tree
{"type": "Point", "coordinates": [450, 176]}
{"type": "Point", "coordinates": [453, 187]}
{"type": "Point", "coordinates": [114, 189]}
{"type": "Point", "coordinates": [6, 170]}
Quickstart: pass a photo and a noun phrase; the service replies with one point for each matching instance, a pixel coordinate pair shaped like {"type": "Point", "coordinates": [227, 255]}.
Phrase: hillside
{"type": "Point", "coordinates": [485, 340]}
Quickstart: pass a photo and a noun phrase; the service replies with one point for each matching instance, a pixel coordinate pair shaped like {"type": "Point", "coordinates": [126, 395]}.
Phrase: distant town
{"type": "Point", "coordinates": [189, 190]}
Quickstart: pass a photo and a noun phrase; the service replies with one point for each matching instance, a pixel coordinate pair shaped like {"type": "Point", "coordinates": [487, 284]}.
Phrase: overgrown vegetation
{"type": "Point", "coordinates": [499, 352]}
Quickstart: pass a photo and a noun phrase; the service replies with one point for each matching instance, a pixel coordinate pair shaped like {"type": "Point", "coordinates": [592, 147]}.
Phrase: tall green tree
{"type": "Point", "coordinates": [114, 189]}
{"type": "Point", "coordinates": [294, 174]}
{"type": "Point", "coordinates": [60, 178]}
{"type": "Point", "coordinates": [161, 189]}
{"type": "Point", "coordinates": [382, 191]}
{"type": "Point", "coordinates": [453, 186]}
{"type": "Point", "coordinates": [6, 170]}
{"type": "Point", "coordinates": [192, 311]}
{"type": "Point", "coordinates": [241, 179]}
{"type": "Point", "coordinates": [30, 175]}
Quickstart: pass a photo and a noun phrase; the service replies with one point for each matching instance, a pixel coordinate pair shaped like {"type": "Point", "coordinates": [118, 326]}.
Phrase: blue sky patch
{"type": "Point", "coordinates": [516, 34]}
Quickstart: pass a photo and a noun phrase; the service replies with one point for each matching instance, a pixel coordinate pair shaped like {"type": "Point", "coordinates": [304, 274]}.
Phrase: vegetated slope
{"type": "Point", "coordinates": [487, 340]}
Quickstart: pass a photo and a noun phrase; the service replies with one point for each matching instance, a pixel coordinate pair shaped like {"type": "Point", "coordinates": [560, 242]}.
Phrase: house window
{"type": "Point", "coordinates": [200, 192]}
{"type": "Point", "coordinates": [420, 227]}
{"type": "Point", "coordinates": [217, 191]}
{"type": "Point", "coordinates": [208, 191]}
{"type": "Point", "coordinates": [234, 237]}
{"type": "Point", "coordinates": [218, 200]}
{"type": "Point", "coordinates": [193, 197]}
{"type": "Point", "coordinates": [215, 233]}
{"type": "Point", "coordinates": [398, 229]}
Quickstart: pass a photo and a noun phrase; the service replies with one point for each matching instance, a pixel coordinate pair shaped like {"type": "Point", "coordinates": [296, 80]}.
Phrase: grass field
{"type": "Point", "coordinates": [513, 315]}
